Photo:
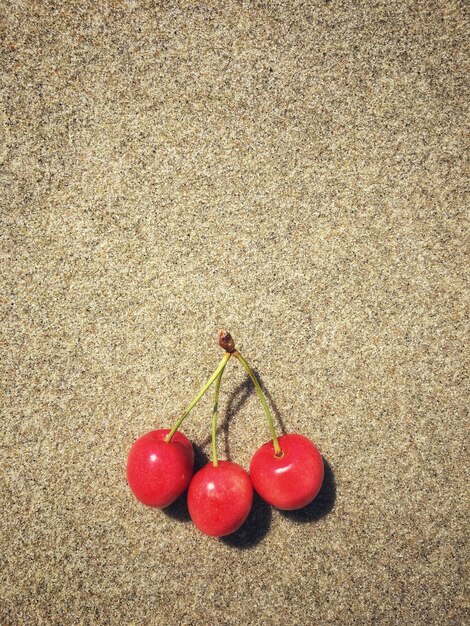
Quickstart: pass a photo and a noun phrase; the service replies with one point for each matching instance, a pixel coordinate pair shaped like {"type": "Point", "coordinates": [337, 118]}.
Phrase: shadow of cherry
{"type": "Point", "coordinates": [235, 403]}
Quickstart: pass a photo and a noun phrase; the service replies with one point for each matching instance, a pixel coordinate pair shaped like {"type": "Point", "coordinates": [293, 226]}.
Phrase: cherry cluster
{"type": "Point", "coordinates": [287, 472]}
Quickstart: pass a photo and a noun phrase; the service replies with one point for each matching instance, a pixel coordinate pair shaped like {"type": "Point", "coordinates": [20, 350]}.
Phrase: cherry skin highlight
{"type": "Point", "coordinates": [220, 498]}
{"type": "Point", "coordinates": [158, 472]}
{"type": "Point", "coordinates": [292, 480]}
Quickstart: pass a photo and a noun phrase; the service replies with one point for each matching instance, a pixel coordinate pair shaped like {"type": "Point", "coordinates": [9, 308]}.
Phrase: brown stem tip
{"type": "Point", "coordinates": [226, 341]}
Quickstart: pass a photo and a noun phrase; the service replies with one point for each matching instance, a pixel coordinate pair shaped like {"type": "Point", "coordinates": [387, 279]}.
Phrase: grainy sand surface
{"type": "Point", "coordinates": [293, 171]}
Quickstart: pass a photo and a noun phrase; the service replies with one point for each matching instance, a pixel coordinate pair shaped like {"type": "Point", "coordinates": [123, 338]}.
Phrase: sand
{"type": "Point", "coordinates": [294, 172]}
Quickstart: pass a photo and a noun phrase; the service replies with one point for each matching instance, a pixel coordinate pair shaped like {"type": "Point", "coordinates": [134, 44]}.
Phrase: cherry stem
{"type": "Point", "coordinates": [194, 401]}
{"type": "Point", "coordinates": [244, 362]}
{"type": "Point", "coordinates": [214, 418]}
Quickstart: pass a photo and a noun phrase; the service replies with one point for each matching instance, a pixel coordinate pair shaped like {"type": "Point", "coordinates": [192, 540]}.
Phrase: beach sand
{"type": "Point", "coordinates": [293, 172]}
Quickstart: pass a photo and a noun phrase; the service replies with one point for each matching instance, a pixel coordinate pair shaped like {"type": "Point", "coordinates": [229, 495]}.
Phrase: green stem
{"type": "Point", "coordinates": [192, 404]}
{"type": "Point", "coordinates": [244, 362]}
{"type": "Point", "coordinates": [214, 419]}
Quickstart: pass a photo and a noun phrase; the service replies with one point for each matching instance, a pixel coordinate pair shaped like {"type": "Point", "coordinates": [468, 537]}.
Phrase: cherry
{"type": "Point", "coordinates": [220, 498]}
{"type": "Point", "coordinates": [159, 471]}
{"type": "Point", "coordinates": [290, 479]}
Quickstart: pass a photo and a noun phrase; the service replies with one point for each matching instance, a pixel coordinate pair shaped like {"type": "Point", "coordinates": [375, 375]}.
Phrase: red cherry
{"type": "Point", "coordinates": [157, 471]}
{"type": "Point", "coordinates": [292, 480]}
{"type": "Point", "coordinates": [220, 498]}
